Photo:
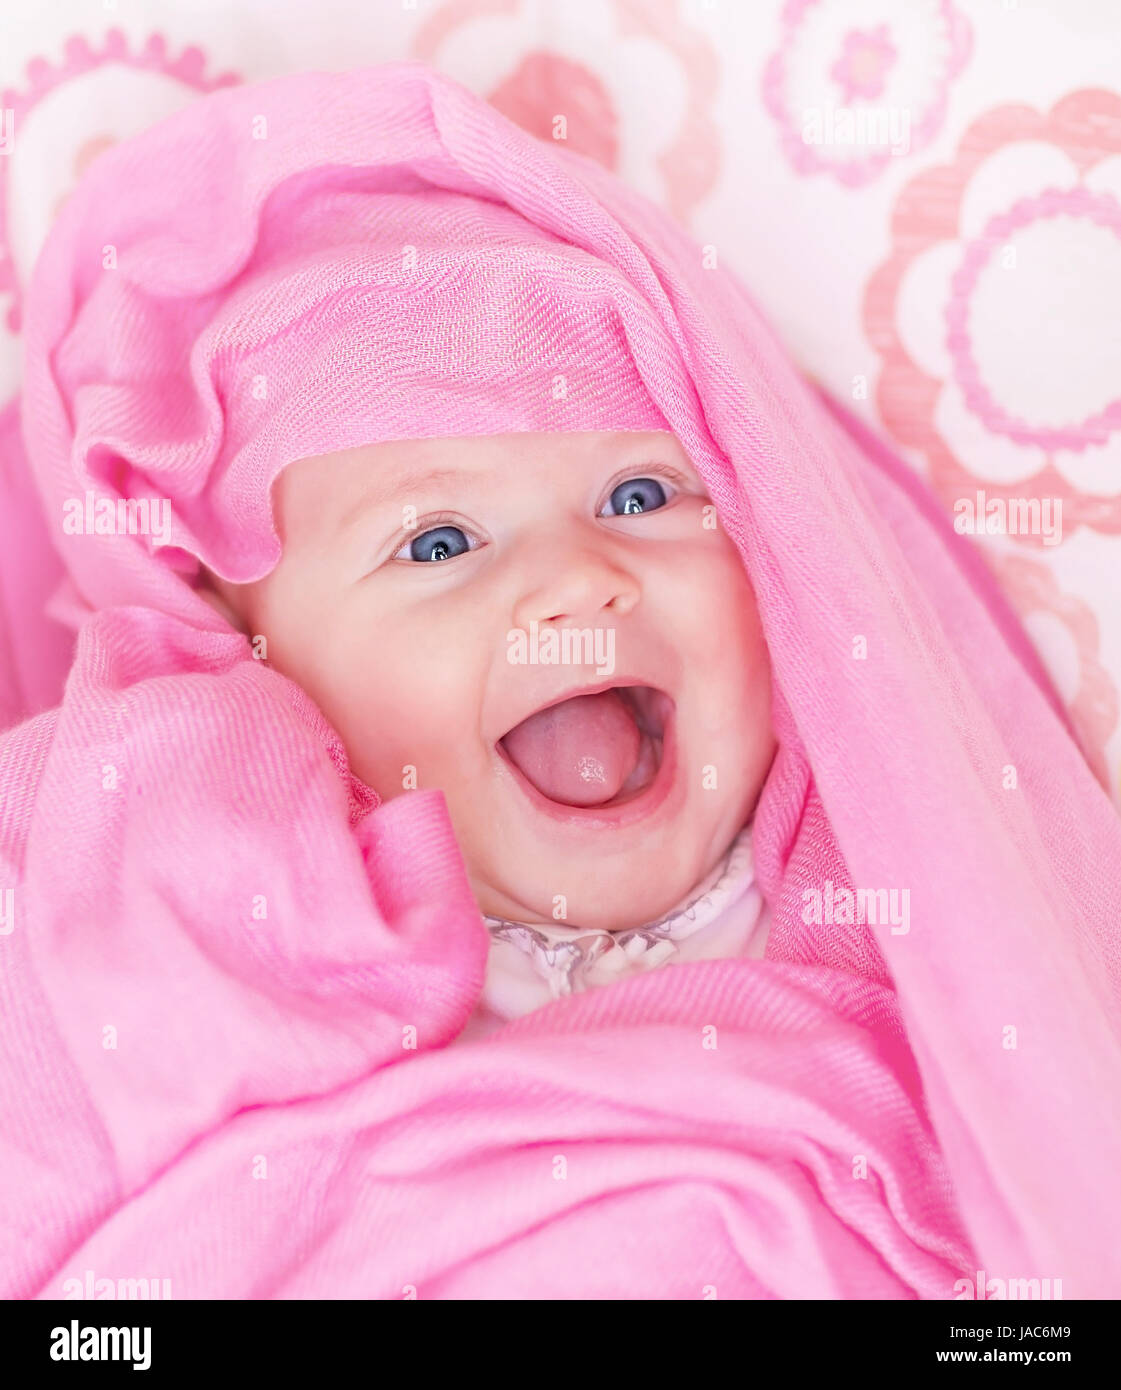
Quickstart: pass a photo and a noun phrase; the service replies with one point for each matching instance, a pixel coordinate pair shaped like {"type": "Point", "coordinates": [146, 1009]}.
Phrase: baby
{"type": "Point", "coordinates": [417, 580]}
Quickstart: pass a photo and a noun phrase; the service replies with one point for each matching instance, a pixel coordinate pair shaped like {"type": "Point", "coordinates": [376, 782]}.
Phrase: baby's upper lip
{"type": "Point", "coordinates": [589, 688]}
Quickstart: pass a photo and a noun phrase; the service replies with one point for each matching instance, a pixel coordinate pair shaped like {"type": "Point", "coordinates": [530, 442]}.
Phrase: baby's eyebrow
{"type": "Point", "coordinates": [401, 487]}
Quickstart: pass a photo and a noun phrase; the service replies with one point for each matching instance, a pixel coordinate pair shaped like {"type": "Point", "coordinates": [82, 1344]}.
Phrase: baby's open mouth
{"type": "Point", "coordinates": [601, 749]}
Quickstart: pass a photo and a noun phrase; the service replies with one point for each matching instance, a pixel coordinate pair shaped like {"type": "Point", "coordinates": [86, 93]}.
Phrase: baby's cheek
{"type": "Point", "coordinates": [728, 630]}
{"type": "Point", "coordinates": [730, 651]}
{"type": "Point", "coordinates": [403, 728]}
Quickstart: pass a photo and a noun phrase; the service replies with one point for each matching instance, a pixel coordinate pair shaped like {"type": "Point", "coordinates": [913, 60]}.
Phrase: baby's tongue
{"type": "Point", "coordinates": [579, 752]}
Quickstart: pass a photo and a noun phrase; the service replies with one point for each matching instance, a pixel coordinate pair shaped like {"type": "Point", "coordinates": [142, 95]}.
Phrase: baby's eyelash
{"type": "Point", "coordinates": [647, 470]}
{"type": "Point", "coordinates": [650, 469]}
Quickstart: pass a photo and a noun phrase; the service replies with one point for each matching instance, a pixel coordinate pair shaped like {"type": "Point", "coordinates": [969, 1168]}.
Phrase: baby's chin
{"type": "Point", "coordinates": [633, 901]}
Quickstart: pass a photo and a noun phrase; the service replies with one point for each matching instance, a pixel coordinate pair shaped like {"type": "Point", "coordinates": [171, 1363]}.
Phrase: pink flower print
{"type": "Point", "coordinates": [866, 58]}
{"type": "Point", "coordinates": [545, 83]}
{"type": "Point", "coordinates": [994, 314]}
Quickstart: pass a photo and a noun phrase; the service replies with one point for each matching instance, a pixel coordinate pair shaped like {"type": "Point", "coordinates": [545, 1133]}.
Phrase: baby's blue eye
{"type": "Point", "coordinates": [441, 543]}
{"type": "Point", "coordinates": [637, 495]}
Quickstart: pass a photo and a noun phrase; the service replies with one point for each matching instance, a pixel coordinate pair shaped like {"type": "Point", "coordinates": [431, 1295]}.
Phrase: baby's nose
{"type": "Point", "coordinates": [580, 585]}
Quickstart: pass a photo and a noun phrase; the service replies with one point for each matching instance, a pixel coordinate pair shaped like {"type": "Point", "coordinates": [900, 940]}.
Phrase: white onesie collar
{"type": "Point", "coordinates": [571, 959]}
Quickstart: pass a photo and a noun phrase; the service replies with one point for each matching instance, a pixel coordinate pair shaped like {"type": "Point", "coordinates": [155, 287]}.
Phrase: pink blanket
{"type": "Point", "coordinates": [254, 1106]}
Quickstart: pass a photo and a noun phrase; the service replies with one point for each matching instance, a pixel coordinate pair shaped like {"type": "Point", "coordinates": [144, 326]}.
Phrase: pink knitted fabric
{"type": "Point", "coordinates": [257, 1106]}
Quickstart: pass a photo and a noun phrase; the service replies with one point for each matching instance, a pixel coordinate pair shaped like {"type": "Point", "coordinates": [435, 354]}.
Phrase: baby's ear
{"type": "Point", "coordinates": [223, 597]}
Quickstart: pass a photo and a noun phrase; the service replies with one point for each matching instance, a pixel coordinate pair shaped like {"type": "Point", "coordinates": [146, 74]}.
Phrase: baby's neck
{"type": "Point", "coordinates": [698, 906]}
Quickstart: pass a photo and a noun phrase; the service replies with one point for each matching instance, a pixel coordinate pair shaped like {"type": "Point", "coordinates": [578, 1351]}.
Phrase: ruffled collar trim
{"type": "Point", "coordinates": [573, 958]}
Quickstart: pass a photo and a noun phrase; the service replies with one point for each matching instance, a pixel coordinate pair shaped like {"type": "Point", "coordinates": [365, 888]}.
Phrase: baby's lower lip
{"type": "Point", "coordinates": [628, 810]}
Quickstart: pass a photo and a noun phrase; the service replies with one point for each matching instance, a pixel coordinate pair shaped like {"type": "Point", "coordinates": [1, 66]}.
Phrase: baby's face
{"type": "Point", "coordinates": [435, 596]}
